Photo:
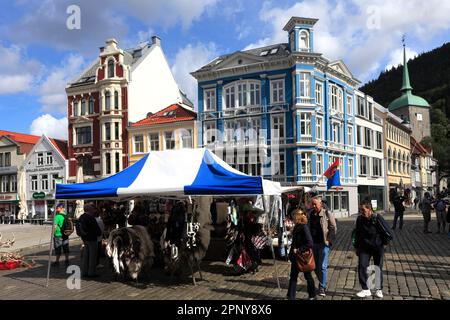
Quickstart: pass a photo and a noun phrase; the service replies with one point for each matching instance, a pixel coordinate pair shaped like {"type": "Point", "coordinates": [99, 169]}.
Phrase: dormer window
{"type": "Point", "coordinates": [111, 69]}
{"type": "Point", "coordinates": [304, 40]}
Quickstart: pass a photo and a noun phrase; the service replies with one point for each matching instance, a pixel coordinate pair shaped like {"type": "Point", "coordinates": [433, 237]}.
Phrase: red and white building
{"type": "Point", "coordinates": [120, 87]}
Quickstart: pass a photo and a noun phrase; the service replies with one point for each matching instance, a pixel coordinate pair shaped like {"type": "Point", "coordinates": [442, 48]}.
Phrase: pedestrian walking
{"type": "Point", "coordinates": [440, 206]}
{"type": "Point", "coordinates": [301, 241]}
{"type": "Point", "coordinates": [371, 236]}
{"type": "Point", "coordinates": [416, 202]}
{"type": "Point", "coordinates": [399, 210]}
{"type": "Point", "coordinates": [88, 230]}
{"type": "Point", "coordinates": [322, 225]}
{"type": "Point", "coordinates": [60, 240]}
{"type": "Point", "coordinates": [425, 207]}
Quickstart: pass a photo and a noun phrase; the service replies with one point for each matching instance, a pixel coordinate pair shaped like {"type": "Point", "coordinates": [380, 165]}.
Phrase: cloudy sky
{"type": "Point", "coordinates": [39, 54]}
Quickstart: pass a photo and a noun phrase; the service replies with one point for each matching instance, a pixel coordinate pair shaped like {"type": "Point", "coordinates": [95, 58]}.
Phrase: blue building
{"type": "Point", "coordinates": [283, 111]}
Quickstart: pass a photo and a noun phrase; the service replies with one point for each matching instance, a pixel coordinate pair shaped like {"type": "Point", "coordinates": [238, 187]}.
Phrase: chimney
{"type": "Point", "coordinates": [149, 114]}
{"type": "Point", "coordinates": [156, 40]}
{"type": "Point", "coordinates": [102, 49]}
{"type": "Point", "coordinates": [111, 44]}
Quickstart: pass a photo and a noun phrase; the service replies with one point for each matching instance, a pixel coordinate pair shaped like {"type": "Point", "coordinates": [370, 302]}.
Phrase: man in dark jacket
{"type": "Point", "coordinates": [425, 207]}
{"type": "Point", "coordinates": [399, 210]}
{"type": "Point", "coordinates": [89, 230]}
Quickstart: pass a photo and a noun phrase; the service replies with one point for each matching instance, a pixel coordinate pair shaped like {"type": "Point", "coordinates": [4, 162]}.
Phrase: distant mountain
{"type": "Point", "coordinates": [430, 79]}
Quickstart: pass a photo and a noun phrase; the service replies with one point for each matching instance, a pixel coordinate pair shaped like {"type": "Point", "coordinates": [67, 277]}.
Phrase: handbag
{"type": "Point", "coordinates": [244, 260]}
{"type": "Point", "coordinates": [305, 260]}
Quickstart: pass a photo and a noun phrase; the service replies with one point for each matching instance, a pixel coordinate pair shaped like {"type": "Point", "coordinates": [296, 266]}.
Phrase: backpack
{"type": "Point", "coordinates": [79, 229]}
{"type": "Point", "coordinates": [67, 227]}
{"type": "Point", "coordinates": [440, 206]}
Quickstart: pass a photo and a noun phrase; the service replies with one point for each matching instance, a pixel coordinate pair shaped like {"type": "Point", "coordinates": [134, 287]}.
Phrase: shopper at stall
{"type": "Point", "coordinates": [251, 228]}
{"type": "Point", "coordinates": [89, 231]}
{"type": "Point", "coordinates": [301, 241]}
{"type": "Point", "coordinates": [60, 240]}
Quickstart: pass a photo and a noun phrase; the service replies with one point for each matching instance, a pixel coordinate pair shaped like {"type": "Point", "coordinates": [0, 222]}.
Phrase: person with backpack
{"type": "Point", "coordinates": [425, 207]}
{"type": "Point", "coordinates": [322, 225]}
{"type": "Point", "coordinates": [371, 235]}
{"type": "Point", "coordinates": [441, 207]}
{"type": "Point", "coordinates": [399, 211]}
{"type": "Point", "coordinates": [61, 232]}
{"type": "Point", "coordinates": [89, 231]}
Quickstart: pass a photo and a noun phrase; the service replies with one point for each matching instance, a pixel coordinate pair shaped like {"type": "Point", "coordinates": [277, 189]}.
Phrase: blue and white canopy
{"type": "Point", "coordinates": [172, 172]}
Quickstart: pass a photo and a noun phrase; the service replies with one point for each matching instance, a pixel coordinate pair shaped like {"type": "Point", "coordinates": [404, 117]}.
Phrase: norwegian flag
{"type": "Point", "coordinates": [333, 175]}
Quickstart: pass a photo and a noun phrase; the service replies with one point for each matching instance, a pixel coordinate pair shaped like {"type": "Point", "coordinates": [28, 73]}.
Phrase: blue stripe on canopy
{"type": "Point", "coordinates": [214, 179]}
{"type": "Point", "coordinates": [105, 188]}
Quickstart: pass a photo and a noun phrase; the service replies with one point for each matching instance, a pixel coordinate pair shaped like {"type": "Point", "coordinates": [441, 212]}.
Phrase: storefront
{"type": "Point", "coordinates": [374, 194]}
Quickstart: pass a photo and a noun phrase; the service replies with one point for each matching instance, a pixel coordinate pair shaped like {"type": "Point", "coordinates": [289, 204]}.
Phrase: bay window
{"type": "Point", "coordinates": [304, 85]}
{"type": "Point", "coordinates": [306, 168]}
{"type": "Point", "coordinates": [305, 124]}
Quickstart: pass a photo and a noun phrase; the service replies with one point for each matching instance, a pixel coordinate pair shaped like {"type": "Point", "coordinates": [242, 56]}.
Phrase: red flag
{"type": "Point", "coordinates": [332, 169]}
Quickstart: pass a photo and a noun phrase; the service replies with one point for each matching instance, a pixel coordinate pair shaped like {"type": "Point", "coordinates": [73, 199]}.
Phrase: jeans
{"type": "Point", "coordinates": [441, 220]}
{"type": "Point", "coordinates": [363, 262]}
{"type": "Point", "coordinates": [426, 220]}
{"type": "Point", "coordinates": [61, 244]}
{"type": "Point", "coordinates": [398, 214]}
{"type": "Point", "coordinates": [321, 253]}
{"type": "Point", "coordinates": [292, 289]}
{"type": "Point", "coordinates": [89, 258]}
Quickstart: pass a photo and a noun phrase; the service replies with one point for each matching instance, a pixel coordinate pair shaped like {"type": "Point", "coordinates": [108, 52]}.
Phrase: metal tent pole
{"type": "Point", "coordinates": [271, 245]}
{"type": "Point", "coordinates": [50, 250]}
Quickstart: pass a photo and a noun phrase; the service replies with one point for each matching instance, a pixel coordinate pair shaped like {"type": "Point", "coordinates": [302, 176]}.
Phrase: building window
{"type": "Point", "coordinates": [419, 117]}
{"type": "Point", "coordinates": [304, 85]}
{"type": "Point", "coordinates": [108, 162]}
{"type": "Point", "coordinates": [186, 137]}
{"type": "Point", "coordinates": [349, 105]}
{"type": "Point", "coordinates": [5, 184]}
{"type": "Point", "coordinates": [2, 164]}
{"type": "Point", "coordinates": [49, 158]}
{"type": "Point", "coordinates": [358, 135]}
{"type": "Point", "coordinates": [138, 143]}
{"type": "Point", "coordinates": [7, 159]}
{"type": "Point", "coordinates": [83, 107]}
{"type": "Point", "coordinates": [116, 100]}
{"type": "Point", "coordinates": [376, 167]}
{"type": "Point", "coordinates": [363, 165]}
{"type": "Point", "coordinates": [255, 94]}
{"type": "Point", "coordinates": [154, 142]}
{"type": "Point", "coordinates": [304, 40]}
{"type": "Point", "coordinates": [319, 93]}
{"type": "Point", "coordinates": [91, 105]}
{"type": "Point", "coordinates": [107, 100]}
{"type": "Point", "coordinates": [44, 182]}
{"type": "Point", "coordinates": [277, 91]}
{"type": "Point", "coordinates": [305, 124]}
{"type": "Point", "coordinates": [117, 162]}
{"type": "Point", "coordinates": [361, 106]}
{"type": "Point", "coordinates": [13, 180]}
{"type": "Point", "coordinates": [336, 97]}
{"type": "Point", "coordinates": [107, 131]}
{"type": "Point", "coordinates": [75, 108]}
{"type": "Point", "coordinates": [170, 140]}
{"type": "Point", "coordinates": [111, 68]}
{"type": "Point", "coordinates": [83, 135]}
{"type": "Point", "coordinates": [350, 135]}
{"type": "Point", "coordinates": [369, 110]}
{"type": "Point", "coordinates": [54, 178]}
{"type": "Point", "coordinates": [368, 138]}
{"type": "Point", "coordinates": [319, 128]}
{"type": "Point", "coordinates": [379, 145]}
{"type": "Point", "coordinates": [88, 167]}
{"type": "Point", "coordinates": [278, 163]}
{"type": "Point", "coordinates": [350, 168]}
{"type": "Point", "coordinates": [230, 97]}
{"type": "Point", "coordinates": [306, 168]}
{"type": "Point", "coordinates": [116, 131]}
{"type": "Point", "coordinates": [336, 132]}
{"type": "Point", "coordinates": [210, 100]}
{"type": "Point", "coordinates": [34, 183]}
{"type": "Point", "coordinates": [40, 158]}
{"type": "Point", "coordinates": [210, 132]}
{"type": "Point", "coordinates": [277, 130]}
{"type": "Point", "coordinates": [319, 165]}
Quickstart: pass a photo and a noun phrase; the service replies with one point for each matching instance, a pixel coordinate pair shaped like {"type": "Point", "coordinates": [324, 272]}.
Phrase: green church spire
{"type": "Point", "coordinates": [406, 84]}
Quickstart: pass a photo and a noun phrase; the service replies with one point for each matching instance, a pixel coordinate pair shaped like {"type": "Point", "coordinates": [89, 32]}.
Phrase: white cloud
{"type": "Point", "coordinates": [16, 70]}
{"type": "Point", "coordinates": [189, 59]}
{"type": "Point", "coordinates": [50, 126]}
{"type": "Point", "coordinates": [364, 33]}
{"type": "Point", "coordinates": [52, 90]}
{"type": "Point", "coordinates": [396, 57]}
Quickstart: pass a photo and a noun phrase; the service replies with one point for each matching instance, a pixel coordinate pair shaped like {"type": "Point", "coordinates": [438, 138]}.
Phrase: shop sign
{"type": "Point", "coordinates": [39, 195]}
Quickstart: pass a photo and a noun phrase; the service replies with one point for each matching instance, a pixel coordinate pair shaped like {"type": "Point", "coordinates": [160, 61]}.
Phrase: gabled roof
{"type": "Point", "coordinates": [27, 141]}
{"type": "Point", "coordinates": [340, 66]}
{"type": "Point", "coordinates": [171, 114]}
{"type": "Point", "coordinates": [262, 54]}
{"type": "Point", "coordinates": [417, 147]}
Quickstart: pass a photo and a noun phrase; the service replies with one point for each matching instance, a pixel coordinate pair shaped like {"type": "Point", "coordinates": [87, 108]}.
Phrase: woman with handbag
{"type": "Point", "coordinates": [301, 256]}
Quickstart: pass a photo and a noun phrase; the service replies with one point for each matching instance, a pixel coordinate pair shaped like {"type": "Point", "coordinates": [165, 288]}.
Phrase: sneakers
{"type": "Point", "coordinates": [322, 292]}
{"type": "Point", "coordinates": [379, 294]}
{"type": "Point", "coordinates": [364, 294]}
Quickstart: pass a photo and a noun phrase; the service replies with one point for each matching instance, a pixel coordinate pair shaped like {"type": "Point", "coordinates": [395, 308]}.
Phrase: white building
{"type": "Point", "coordinates": [44, 166]}
{"type": "Point", "coordinates": [369, 149]}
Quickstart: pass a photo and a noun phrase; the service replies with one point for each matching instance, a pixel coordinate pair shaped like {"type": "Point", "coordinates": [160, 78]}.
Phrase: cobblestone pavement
{"type": "Point", "coordinates": [417, 266]}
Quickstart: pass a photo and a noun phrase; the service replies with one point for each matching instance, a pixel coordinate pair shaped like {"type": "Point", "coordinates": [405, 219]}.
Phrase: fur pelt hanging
{"type": "Point", "coordinates": [188, 258]}
{"type": "Point", "coordinates": [131, 250]}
